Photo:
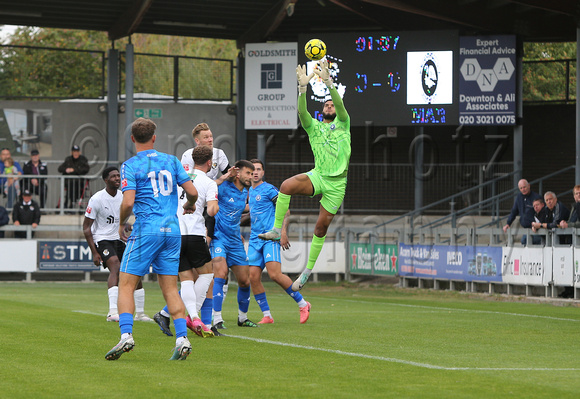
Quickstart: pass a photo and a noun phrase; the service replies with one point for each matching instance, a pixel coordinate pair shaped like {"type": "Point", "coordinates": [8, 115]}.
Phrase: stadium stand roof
{"type": "Point", "coordinates": [269, 20]}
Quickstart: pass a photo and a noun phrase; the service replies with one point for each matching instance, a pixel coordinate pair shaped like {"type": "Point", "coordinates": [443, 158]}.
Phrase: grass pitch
{"type": "Point", "coordinates": [371, 341]}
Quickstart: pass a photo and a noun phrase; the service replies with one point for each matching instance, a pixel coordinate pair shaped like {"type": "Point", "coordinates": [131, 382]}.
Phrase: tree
{"type": "Point", "coordinates": [27, 72]}
{"type": "Point", "coordinates": [549, 71]}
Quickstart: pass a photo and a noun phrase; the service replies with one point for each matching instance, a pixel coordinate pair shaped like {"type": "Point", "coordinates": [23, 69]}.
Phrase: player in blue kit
{"type": "Point", "coordinates": [262, 201]}
{"type": "Point", "coordinates": [227, 248]}
{"type": "Point", "coordinates": [149, 183]}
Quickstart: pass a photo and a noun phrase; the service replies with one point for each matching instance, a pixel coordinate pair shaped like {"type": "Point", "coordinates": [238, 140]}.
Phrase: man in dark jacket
{"type": "Point", "coordinates": [36, 185]}
{"type": "Point", "coordinates": [25, 212]}
{"type": "Point", "coordinates": [557, 209]}
{"type": "Point", "coordinates": [74, 165]}
{"type": "Point", "coordinates": [574, 220]}
{"type": "Point", "coordinates": [523, 206]}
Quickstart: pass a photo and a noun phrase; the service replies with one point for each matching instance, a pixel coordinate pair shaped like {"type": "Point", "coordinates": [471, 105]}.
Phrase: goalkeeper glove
{"type": "Point", "coordinates": [303, 79]}
{"type": "Point", "coordinates": [324, 73]}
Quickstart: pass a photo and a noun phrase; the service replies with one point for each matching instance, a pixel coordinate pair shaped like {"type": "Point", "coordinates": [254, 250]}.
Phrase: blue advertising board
{"type": "Point", "coordinates": [487, 80]}
{"type": "Point", "coordinates": [467, 263]}
{"type": "Point", "coordinates": [65, 255]}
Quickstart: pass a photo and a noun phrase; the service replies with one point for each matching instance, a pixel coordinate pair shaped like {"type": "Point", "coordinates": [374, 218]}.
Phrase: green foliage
{"type": "Point", "coordinates": [49, 73]}
{"type": "Point", "coordinates": [554, 79]}
{"type": "Point", "coordinates": [376, 341]}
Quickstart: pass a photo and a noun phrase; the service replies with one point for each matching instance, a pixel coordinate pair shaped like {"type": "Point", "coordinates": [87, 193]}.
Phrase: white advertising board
{"type": "Point", "coordinates": [18, 255]}
{"type": "Point", "coordinates": [563, 266]}
{"type": "Point", "coordinates": [271, 86]}
{"type": "Point", "coordinates": [523, 266]}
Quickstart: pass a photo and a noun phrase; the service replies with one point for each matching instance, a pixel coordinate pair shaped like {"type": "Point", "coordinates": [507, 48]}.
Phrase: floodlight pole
{"type": "Point", "coordinates": [577, 168]}
{"type": "Point", "coordinates": [112, 107]}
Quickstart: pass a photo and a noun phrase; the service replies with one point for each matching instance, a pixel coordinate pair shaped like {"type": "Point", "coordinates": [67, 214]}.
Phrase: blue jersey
{"type": "Point", "coordinates": [262, 208]}
{"type": "Point", "coordinates": [154, 176]}
{"type": "Point", "coordinates": [232, 202]}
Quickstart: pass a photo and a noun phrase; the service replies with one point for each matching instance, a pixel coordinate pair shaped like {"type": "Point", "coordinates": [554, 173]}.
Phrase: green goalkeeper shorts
{"type": "Point", "coordinates": [331, 188]}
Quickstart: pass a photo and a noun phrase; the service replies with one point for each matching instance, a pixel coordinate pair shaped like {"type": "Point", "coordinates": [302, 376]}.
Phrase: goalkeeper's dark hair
{"type": "Point", "coordinates": [108, 171]}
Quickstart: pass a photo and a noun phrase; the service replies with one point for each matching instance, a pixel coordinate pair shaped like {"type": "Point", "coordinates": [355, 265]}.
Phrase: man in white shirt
{"type": "Point", "coordinates": [195, 264]}
{"type": "Point", "coordinates": [203, 136]}
{"type": "Point", "coordinates": [101, 230]}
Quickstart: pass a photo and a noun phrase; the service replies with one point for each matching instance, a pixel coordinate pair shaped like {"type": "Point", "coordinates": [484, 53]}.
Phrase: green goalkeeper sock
{"type": "Point", "coordinates": [315, 249]}
{"type": "Point", "coordinates": [282, 205]}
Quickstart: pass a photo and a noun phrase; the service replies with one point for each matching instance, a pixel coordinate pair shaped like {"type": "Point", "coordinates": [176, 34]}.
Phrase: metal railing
{"type": "Point", "coordinates": [32, 72]}
{"type": "Point", "coordinates": [56, 192]}
{"type": "Point", "coordinates": [491, 206]}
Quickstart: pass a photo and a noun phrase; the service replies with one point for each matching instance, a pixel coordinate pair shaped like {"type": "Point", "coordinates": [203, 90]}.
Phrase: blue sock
{"type": "Point", "coordinates": [205, 311]}
{"type": "Point", "coordinates": [262, 301]}
{"type": "Point", "coordinates": [126, 323]}
{"type": "Point", "coordinates": [243, 298]}
{"type": "Point", "coordinates": [218, 293]}
{"type": "Point", "coordinates": [297, 296]}
{"type": "Point", "coordinates": [180, 328]}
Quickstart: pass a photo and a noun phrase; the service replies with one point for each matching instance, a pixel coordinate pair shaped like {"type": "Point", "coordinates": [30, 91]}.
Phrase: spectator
{"type": "Point", "coordinates": [556, 209]}
{"type": "Point", "coordinates": [568, 292]}
{"type": "Point", "coordinates": [573, 220]}
{"type": "Point", "coordinates": [541, 216]}
{"type": "Point", "coordinates": [12, 184]}
{"type": "Point", "coordinates": [25, 212]}
{"type": "Point", "coordinates": [74, 165]}
{"type": "Point", "coordinates": [11, 192]}
{"type": "Point", "coordinates": [523, 206]}
{"type": "Point", "coordinates": [3, 219]}
{"type": "Point", "coordinates": [36, 186]}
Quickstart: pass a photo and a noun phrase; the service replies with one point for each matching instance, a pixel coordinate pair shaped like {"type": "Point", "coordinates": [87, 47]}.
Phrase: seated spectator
{"type": "Point", "coordinates": [25, 212]}
{"type": "Point", "coordinates": [10, 192]}
{"type": "Point", "coordinates": [3, 219]}
{"type": "Point", "coordinates": [541, 216]}
{"type": "Point", "coordinates": [74, 165]}
{"type": "Point", "coordinates": [523, 206]}
{"type": "Point", "coordinates": [36, 186]}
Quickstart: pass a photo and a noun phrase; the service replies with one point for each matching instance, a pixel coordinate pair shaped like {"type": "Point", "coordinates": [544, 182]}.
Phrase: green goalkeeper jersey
{"type": "Point", "coordinates": [330, 143]}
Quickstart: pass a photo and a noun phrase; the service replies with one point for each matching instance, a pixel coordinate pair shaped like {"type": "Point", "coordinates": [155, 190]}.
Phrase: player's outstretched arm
{"type": "Point", "coordinates": [323, 72]}
{"type": "Point", "coordinates": [303, 79]}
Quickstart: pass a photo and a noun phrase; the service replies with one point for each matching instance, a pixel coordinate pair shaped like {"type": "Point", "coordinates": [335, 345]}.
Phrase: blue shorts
{"type": "Point", "coordinates": [261, 251]}
{"type": "Point", "coordinates": [162, 252]}
{"type": "Point", "coordinates": [235, 254]}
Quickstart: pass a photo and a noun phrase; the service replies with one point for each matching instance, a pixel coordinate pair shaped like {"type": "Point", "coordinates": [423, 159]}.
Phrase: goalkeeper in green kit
{"type": "Point", "coordinates": [330, 143]}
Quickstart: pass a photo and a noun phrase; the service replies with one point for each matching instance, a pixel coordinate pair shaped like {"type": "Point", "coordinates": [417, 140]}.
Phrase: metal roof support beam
{"type": "Point", "coordinates": [128, 23]}
{"type": "Point", "coordinates": [268, 23]}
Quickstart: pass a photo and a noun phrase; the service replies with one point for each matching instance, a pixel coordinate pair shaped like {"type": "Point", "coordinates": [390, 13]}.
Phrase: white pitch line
{"type": "Point", "coordinates": [407, 362]}
{"type": "Point", "coordinates": [87, 312]}
{"type": "Point", "coordinates": [455, 309]}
